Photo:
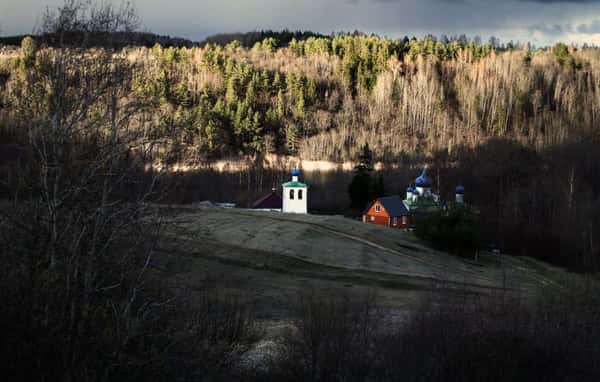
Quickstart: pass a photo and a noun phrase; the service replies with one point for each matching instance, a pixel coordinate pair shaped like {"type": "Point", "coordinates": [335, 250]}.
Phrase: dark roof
{"type": "Point", "coordinates": [269, 201]}
{"type": "Point", "coordinates": [393, 205]}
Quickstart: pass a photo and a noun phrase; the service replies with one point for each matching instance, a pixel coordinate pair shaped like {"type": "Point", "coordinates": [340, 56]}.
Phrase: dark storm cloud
{"type": "Point", "coordinates": [562, 1]}
{"type": "Point", "coordinates": [590, 28]}
{"type": "Point", "coordinates": [549, 30]}
{"type": "Point", "coordinates": [484, 1]}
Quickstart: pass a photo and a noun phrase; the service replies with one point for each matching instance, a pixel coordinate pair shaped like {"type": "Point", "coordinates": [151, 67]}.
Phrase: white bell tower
{"type": "Point", "coordinates": [295, 195]}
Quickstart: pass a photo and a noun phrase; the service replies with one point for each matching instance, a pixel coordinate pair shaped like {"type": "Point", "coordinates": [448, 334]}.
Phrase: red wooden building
{"type": "Point", "coordinates": [388, 211]}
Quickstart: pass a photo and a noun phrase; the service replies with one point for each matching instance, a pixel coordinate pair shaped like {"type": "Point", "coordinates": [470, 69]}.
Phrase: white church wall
{"type": "Point", "coordinates": [295, 205]}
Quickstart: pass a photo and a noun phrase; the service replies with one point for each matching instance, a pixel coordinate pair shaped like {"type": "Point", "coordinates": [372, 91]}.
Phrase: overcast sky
{"type": "Point", "coordinates": [538, 21]}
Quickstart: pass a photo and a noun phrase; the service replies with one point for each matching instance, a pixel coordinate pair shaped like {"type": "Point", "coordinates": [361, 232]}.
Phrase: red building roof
{"type": "Point", "coordinates": [392, 204]}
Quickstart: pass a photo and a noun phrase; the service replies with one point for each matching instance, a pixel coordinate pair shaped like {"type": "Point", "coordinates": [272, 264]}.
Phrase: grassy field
{"type": "Point", "coordinates": [272, 258]}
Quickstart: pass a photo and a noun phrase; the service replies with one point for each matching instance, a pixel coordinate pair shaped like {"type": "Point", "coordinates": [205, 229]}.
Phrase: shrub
{"type": "Point", "coordinates": [456, 336]}
{"type": "Point", "coordinates": [333, 339]}
{"type": "Point", "coordinates": [455, 230]}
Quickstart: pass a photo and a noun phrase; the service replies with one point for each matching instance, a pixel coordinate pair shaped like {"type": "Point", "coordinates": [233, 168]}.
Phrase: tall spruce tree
{"type": "Point", "coordinates": [361, 188]}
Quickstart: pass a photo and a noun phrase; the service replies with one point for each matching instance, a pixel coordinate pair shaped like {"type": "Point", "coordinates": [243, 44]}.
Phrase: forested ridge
{"type": "Point", "coordinates": [516, 126]}
{"type": "Point", "coordinates": [325, 97]}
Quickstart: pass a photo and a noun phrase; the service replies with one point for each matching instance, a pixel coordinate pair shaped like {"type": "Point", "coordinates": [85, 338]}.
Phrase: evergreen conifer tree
{"type": "Point", "coordinates": [362, 188]}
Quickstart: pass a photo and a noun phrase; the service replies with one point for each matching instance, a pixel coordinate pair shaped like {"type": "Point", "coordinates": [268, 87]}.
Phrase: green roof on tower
{"type": "Point", "coordinates": [294, 184]}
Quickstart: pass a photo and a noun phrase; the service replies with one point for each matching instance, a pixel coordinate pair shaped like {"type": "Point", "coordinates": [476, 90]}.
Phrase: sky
{"type": "Point", "coordinates": [541, 22]}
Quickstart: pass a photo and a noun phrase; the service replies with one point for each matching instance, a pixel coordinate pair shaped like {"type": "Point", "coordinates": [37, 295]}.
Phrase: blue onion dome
{"type": "Point", "coordinates": [410, 190]}
{"type": "Point", "coordinates": [295, 172]}
{"type": "Point", "coordinates": [460, 190]}
{"type": "Point", "coordinates": [423, 180]}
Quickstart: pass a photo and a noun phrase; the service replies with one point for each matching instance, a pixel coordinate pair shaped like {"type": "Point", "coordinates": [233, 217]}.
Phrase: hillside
{"type": "Point", "coordinates": [274, 257]}
{"type": "Point", "coordinates": [324, 97]}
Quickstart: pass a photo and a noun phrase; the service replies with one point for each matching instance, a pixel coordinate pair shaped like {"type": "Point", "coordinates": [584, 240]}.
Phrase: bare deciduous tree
{"type": "Point", "coordinates": [78, 245]}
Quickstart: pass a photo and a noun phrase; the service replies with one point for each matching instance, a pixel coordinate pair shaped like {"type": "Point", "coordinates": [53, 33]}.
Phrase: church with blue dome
{"type": "Point", "coordinates": [420, 196]}
{"type": "Point", "coordinates": [420, 200]}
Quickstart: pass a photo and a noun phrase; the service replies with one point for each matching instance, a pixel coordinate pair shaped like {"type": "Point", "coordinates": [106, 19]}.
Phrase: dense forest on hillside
{"type": "Point", "coordinates": [518, 127]}
{"type": "Point", "coordinates": [325, 97]}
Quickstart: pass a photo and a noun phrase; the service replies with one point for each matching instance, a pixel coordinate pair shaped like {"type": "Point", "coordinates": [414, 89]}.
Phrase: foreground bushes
{"type": "Point", "coordinates": [126, 326]}
{"type": "Point", "coordinates": [455, 338]}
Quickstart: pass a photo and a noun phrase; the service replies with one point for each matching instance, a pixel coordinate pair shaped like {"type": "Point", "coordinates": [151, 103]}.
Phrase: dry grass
{"type": "Point", "coordinates": [273, 256]}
